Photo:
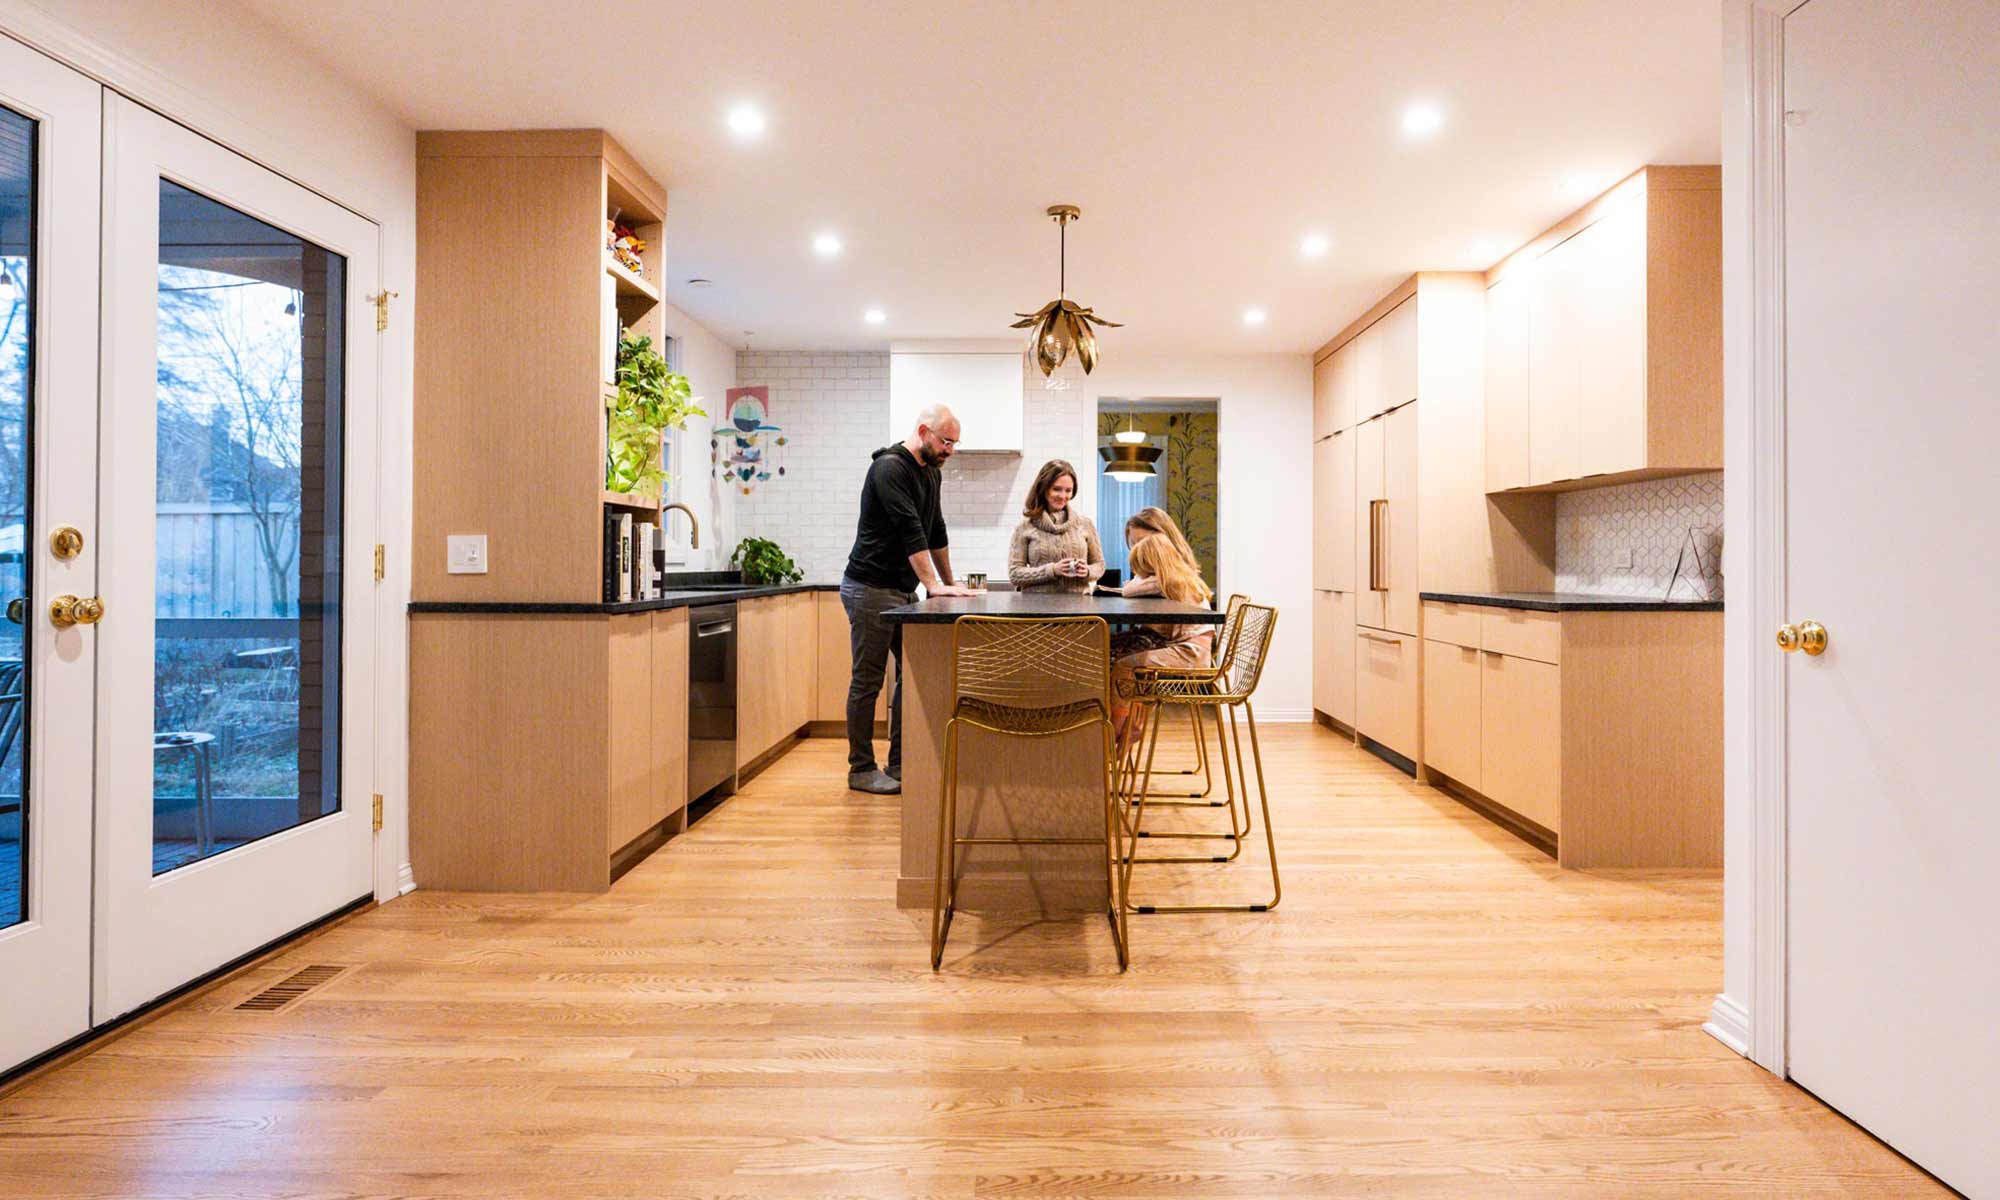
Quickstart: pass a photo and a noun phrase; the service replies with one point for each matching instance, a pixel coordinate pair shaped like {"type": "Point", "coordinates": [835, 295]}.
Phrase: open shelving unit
{"type": "Point", "coordinates": [554, 732]}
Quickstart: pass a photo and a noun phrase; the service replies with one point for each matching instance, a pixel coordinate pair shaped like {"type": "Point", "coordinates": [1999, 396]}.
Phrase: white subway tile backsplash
{"type": "Point", "coordinates": [834, 409]}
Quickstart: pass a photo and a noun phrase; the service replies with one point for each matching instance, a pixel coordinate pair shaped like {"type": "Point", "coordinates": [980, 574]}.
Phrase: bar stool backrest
{"type": "Point", "coordinates": [1030, 662]}
{"type": "Point", "coordinates": [1248, 648]}
{"type": "Point", "coordinates": [1232, 625]}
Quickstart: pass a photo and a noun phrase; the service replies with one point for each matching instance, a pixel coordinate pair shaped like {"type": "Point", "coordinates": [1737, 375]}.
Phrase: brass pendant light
{"type": "Point", "coordinates": [1062, 325]}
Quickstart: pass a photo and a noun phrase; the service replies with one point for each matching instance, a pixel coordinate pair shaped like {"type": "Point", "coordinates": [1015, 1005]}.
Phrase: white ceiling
{"type": "Point", "coordinates": [1202, 140]}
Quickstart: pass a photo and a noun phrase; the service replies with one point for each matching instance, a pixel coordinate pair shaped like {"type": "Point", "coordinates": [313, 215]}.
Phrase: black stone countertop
{"type": "Point", "coordinates": [1117, 610]}
{"type": "Point", "coordinates": [1572, 602]}
{"type": "Point", "coordinates": [706, 593]}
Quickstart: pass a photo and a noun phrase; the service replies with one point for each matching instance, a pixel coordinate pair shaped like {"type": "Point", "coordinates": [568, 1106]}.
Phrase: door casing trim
{"type": "Point", "coordinates": [1749, 1014]}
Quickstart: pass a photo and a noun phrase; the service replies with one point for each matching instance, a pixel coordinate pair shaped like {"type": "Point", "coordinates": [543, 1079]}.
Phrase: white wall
{"type": "Point", "coordinates": [223, 73]}
{"type": "Point", "coordinates": [710, 365]}
{"type": "Point", "coordinates": [834, 408]}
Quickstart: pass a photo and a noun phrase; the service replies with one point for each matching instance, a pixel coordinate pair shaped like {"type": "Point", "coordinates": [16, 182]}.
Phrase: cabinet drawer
{"type": "Point", "coordinates": [1520, 737]}
{"type": "Point", "coordinates": [1451, 710]}
{"type": "Point", "coordinates": [1454, 623]}
{"type": "Point", "coordinates": [1521, 633]}
{"type": "Point", "coordinates": [1385, 686]}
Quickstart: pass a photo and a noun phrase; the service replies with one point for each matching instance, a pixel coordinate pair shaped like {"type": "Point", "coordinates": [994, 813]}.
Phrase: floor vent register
{"type": "Point", "coordinates": [286, 990]}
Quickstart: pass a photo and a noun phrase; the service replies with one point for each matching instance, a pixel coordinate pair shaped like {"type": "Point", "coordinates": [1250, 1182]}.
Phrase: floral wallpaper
{"type": "Point", "coordinates": [1191, 472]}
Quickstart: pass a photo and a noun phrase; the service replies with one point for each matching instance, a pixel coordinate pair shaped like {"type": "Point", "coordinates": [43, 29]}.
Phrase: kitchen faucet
{"type": "Point", "coordinates": [694, 525]}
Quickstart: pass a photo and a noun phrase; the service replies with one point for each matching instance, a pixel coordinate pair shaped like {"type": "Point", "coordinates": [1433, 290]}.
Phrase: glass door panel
{"type": "Point", "coordinates": [233, 756]}
{"type": "Point", "coordinates": [246, 671]}
{"type": "Point", "coordinates": [50, 132]}
{"type": "Point", "coordinates": [17, 271]}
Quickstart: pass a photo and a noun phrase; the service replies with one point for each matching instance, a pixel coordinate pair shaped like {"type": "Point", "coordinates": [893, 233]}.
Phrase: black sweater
{"type": "Point", "coordinates": [900, 516]}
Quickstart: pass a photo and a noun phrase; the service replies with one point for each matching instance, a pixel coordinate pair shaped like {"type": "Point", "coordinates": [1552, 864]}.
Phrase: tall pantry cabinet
{"type": "Point", "coordinates": [1412, 361]}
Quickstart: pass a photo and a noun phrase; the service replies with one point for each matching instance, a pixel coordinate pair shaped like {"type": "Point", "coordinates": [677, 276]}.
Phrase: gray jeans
{"type": "Point", "coordinates": [871, 640]}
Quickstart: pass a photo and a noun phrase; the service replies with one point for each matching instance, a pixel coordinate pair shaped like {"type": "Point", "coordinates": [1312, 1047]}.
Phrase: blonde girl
{"type": "Point", "coordinates": [1159, 568]}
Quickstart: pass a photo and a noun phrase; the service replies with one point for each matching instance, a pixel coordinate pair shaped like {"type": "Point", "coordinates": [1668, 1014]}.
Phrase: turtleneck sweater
{"type": "Point", "coordinates": [1043, 540]}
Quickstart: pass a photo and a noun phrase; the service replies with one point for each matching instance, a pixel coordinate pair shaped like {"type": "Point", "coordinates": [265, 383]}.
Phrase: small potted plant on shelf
{"type": "Point", "coordinates": [762, 562]}
{"type": "Point", "coordinates": [650, 400]}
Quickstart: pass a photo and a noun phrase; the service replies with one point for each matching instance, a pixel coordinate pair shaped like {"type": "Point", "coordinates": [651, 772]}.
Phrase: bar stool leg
{"type": "Point", "coordinates": [1113, 850]}
{"type": "Point", "coordinates": [944, 898]}
{"type": "Point", "coordinates": [1263, 799]}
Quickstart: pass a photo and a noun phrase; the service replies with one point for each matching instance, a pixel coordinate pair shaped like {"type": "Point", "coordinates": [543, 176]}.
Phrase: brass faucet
{"type": "Point", "coordinates": [694, 525]}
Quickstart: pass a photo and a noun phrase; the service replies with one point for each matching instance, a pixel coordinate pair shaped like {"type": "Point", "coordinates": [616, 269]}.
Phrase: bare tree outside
{"type": "Point", "coordinates": [230, 408]}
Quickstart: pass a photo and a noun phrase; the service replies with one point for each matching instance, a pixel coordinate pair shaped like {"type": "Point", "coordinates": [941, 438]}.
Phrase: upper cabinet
{"type": "Point", "coordinates": [1604, 340]}
{"type": "Point", "coordinates": [1507, 463]}
{"type": "Point", "coordinates": [1333, 395]}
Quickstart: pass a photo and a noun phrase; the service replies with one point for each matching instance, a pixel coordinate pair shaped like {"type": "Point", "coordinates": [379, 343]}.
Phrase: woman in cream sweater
{"type": "Point", "coordinates": [1055, 548]}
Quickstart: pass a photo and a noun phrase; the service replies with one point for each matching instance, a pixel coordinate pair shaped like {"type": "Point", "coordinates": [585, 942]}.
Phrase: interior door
{"type": "Point", "coordinates": [234, 740]}
{"type": "Point", "coordinates": [1892, 163]}
{"type": "Point", "coordinates": [50, 124]}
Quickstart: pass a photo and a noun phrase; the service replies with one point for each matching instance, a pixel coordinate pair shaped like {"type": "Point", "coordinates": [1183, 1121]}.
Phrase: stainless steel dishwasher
{"type": "Point", "coordinates": [711, 698]}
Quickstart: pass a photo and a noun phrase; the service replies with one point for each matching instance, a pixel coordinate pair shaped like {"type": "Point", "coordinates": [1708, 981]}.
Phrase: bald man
{"type": "Point", "coordinates": [898, 543]}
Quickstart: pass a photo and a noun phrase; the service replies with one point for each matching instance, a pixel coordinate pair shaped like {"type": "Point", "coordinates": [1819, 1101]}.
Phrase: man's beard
{"type": "Point", "coordinates": [930, 457]}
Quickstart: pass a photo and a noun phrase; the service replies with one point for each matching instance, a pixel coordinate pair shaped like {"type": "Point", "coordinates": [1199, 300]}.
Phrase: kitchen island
{"type": "Point", "coordinates": [1007, 787]}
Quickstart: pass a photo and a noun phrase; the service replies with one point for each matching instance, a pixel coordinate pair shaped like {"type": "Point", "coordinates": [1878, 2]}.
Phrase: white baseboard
{"type": "Point", "coordinates": [1729, 1023]}
{"type": "Point", "coordinates": [406, 882]}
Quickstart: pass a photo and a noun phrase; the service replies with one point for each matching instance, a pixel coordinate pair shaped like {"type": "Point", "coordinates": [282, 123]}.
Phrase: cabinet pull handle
{"type": "Point", "coordinates": [1376, 536]}
{"type": "Point", "coordinates": [1376, 637]}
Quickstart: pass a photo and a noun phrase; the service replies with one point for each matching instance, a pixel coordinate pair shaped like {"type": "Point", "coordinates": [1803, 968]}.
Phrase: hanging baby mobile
{"type": "Point", "coordinates": [747, 449]}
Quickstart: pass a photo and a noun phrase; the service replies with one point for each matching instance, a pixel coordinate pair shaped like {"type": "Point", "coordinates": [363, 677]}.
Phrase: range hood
{"type": "Point", "coordinates": [980, 379]}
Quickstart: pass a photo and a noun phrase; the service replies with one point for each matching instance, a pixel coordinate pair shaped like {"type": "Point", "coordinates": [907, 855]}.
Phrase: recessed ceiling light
{"type": "Point", "coordinates": [1253, 316]}
{"type": "Point", "coordinates": [699, 282]}
{"type": "Point", "coordinates": [1314, 245]}
{"type": "Point", "coordinates": [1422, 120]}
{"type": "Point", "coordinates": [826, 245]}
{"type": "Point", "coordinates": [874, 316]}
{"type": "Point", "coordinates": [746, 122]}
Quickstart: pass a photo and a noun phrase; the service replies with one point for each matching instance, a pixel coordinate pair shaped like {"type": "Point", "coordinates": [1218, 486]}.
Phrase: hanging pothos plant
{"type": "Point", "coordinates": [650, 400]}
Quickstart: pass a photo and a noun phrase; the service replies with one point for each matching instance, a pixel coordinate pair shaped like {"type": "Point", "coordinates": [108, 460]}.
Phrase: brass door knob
{"type": "Point", "coordinates": [1809, 636]}
{"type": "Point", "coordinates": [66, 542]}
{"type": "Point", "coordinates": [65, 611]}
{"type": "Point", "coordinates": [17, 610]}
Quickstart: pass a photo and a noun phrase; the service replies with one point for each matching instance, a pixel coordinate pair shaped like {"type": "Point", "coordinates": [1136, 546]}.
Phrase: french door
{"type": "Point", "coordinates": [50, 125]}
{"type": "Point", "coordinates": [187, 383]}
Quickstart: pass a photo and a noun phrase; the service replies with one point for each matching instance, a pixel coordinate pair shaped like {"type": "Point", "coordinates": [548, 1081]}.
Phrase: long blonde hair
{"type": "Point", "coordinates": [1157, 556]}
{"type": "Point", "coordinates": [1153, 520]}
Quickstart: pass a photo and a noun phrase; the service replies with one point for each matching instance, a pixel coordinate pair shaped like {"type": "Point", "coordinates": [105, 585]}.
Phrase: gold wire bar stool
{"type": "Point", "coordinates": [1132, 755]}
{"type": "Point", "coordinates": [1027, 677]}
{"type": "Point", "coordinates": [1223, 690]}
{"type": "Point", "coordinates": [1202, 766]}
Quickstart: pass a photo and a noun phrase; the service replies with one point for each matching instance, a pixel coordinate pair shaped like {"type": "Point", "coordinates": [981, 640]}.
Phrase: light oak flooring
{"type": "Point", "coordinates": [1434, 1011]}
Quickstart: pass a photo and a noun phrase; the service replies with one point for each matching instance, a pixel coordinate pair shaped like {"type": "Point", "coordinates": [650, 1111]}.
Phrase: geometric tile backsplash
{"type": "Point", "coordinates": [1626, 540]}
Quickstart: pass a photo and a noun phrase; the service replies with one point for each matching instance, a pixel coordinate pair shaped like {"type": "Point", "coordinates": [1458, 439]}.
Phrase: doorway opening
{"type": "Point", "coordinates": [1186, 432]}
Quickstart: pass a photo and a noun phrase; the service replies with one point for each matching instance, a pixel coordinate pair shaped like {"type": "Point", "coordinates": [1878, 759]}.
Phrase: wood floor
{"type": "Point", "coordinates": [1433, 1011]}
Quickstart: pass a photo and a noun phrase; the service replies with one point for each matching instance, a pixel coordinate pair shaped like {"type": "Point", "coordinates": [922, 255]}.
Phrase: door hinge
{"type": "Point", "coordinates": [378, 812]}
{"type": "Point", "coordinates": [381, 302]}
{"type": "Point", "coordinates": [381, 561]}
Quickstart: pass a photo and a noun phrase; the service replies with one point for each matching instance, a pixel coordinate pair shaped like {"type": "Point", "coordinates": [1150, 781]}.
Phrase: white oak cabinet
{"type": "Point", "coordinates": [1385, 521]}
{"type": "Point", "coordinates": [1604, 357]}
{"type": "Point", "coordinates": [1333, 655]}
{"type": "Point", "coordinates": [1507, 464]}
{"type": "Point", "coordinates": [1386, 671]}
{"type": "Point", "coordinates": [1602, 728]}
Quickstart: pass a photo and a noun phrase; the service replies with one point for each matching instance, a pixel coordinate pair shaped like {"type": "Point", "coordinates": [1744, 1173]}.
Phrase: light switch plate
{"type": "Point", "coordinates": [1623, 558]}
{"type": "Point", "coordinates": [465, 554]}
